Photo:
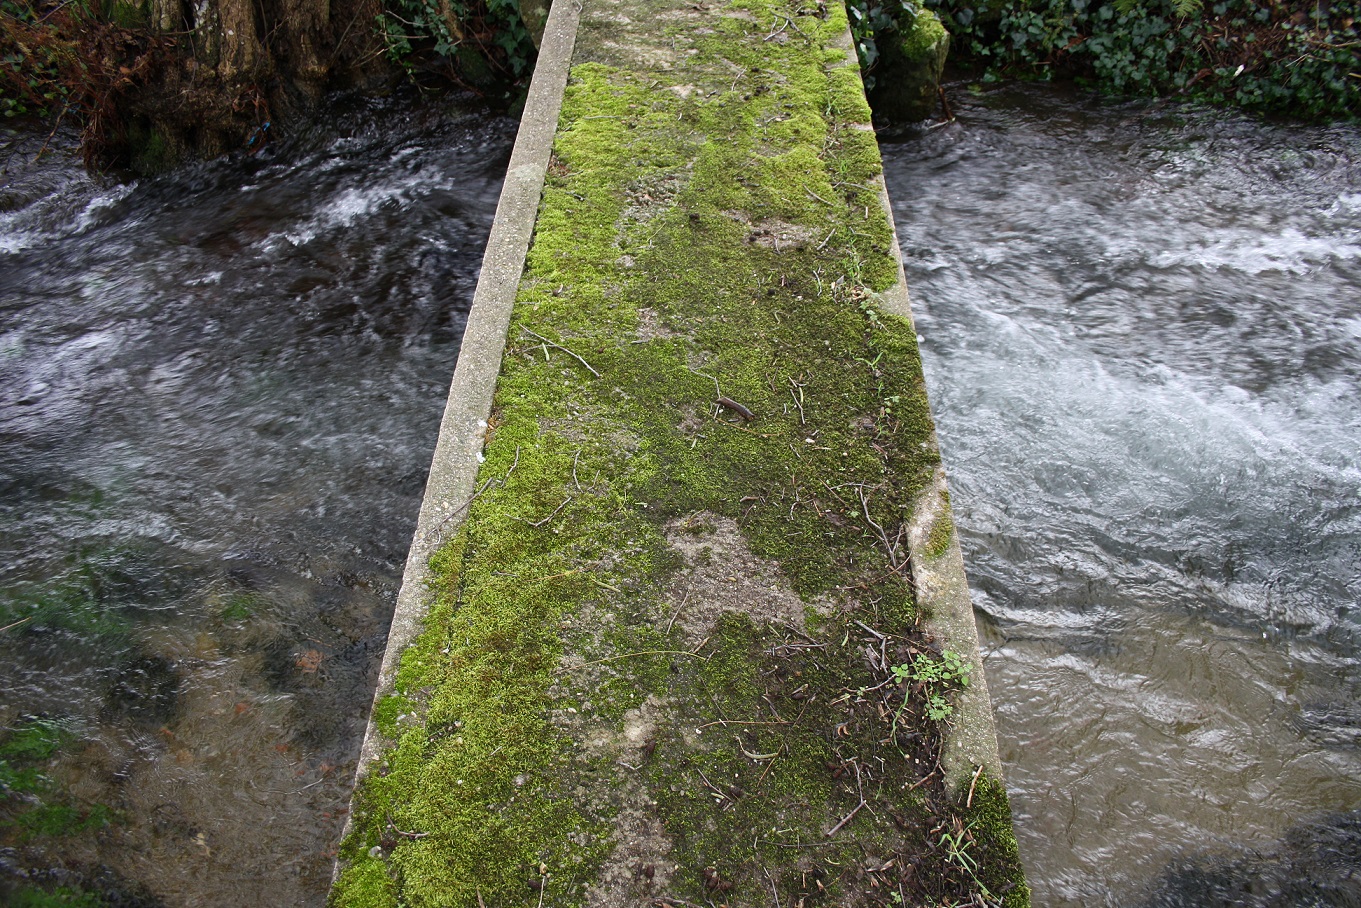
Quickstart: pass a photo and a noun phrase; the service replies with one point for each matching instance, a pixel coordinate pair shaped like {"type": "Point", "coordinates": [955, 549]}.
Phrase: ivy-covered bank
{"type": "Point", "coordinates": [1299, 58]}
{"type": "Point", "coordinates": [675, 654]}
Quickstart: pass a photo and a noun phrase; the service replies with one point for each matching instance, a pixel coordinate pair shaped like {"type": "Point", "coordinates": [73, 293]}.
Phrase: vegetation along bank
{"type": "Point", "coordinates": [1298, 58]}
{"type": "Point", "coordinates": [152, 82]}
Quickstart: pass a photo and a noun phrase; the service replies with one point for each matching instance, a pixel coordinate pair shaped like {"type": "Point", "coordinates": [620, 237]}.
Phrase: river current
{"type": "Point", "coordinates": [219, 395]}
{"type": "Point", "coordinates": [1142, 337]}
{"type": "Point", "coordinates": [219, 392]}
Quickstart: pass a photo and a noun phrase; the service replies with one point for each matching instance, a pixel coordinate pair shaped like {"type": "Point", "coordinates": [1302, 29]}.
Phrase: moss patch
{"type": "Point", "coordinates": [33, 804]}
{"type": "Point", "coordinates": [921, 41]}
{"type": "Point", "coordinates": [698, 382]}
{"type": "Point", "coordinates": [999, 862]}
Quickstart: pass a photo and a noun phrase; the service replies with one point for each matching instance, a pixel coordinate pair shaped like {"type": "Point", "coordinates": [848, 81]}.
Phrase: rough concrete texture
{"type": "Point", "coordinates": [696, 630]}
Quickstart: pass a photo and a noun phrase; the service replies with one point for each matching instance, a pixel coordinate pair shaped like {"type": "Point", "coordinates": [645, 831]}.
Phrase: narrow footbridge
{"type": "Point", "coordinates": [685, 620]}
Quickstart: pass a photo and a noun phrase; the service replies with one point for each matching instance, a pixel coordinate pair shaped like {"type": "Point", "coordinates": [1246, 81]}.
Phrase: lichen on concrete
{"type": "Point", "coordinates": [658, 661]}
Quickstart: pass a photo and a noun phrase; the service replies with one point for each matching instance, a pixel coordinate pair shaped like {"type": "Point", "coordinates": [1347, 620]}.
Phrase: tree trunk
{"type": "Point", "coordinates": [241, 70]}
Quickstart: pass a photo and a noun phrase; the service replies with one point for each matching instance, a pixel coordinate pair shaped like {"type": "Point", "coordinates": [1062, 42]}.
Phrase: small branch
{"type": "Point", "coordinates": [672, 623]}
{"type": "Point", "coordinates": [15, 624]}
{"type": "Point", "coordinates": [718, 392]}
{"type": "Point", "coordinates": [772, 887]}
{"type": "Point", "coordinates": [712, 787]}
{"type": "Point", "coordinates": [889, 548]}
{"type": "Point", "coordinates": [871, 630]}
{"type": "Point", "coordinates": [976, 773]}
{"type": "Point", "coordinates": [737, 408]}
{"type": "Point", "coordinates": [646, 652]}
{"type": "Point", "coordinates": [945, 105]}
{"type": "Point", "coordinates": [562, 348]}
{"type": "Point", "coordinates": [401, 832]}
{"type": "Point", "coordinates": [736, 722]}
{"type": "Point", "coordinates": [64, 108]}
{"type": "Point", "coordinates": [539, 523]}
{"type": "Point", "coordinates": [816, 196]}
{"type": "Point", "coordinates": [439, 527]}
{"type": "Point", "coordinates": [846, 819]}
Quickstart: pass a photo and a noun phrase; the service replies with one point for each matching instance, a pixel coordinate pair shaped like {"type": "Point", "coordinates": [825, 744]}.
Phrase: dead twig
{"type": "Point", "coordinates": [765, 772]}
{"type": "Point", "coordinates": [539, 523]}
{"type": "Point", "coordinates": [647, 652]}
{"type": "Point", "coordinates": [718, 392]}
{"type": "Point", "coordinates": [772, 887]}
{"type": "Point", "coordinates": [871, 630]}
{"type": "Point", "coordinates": [890, 549]}
{"type": "Point", "coordinates": [798, 400]}
{"type": "Point", "coordinates": [848, 817]}
{"type": "Point", "coordinates": [945, 105]}
{"type": "Point", "coordinates": [439, 527]}
{"type": "Point", "coordinates": [676, 614]}
{"type": "Point", "coordinates": [976, 773]}
{"type": "Point", "coordinates": [737, 408]}
{"type": "Point", "coordinates": [403, 833]}
{"type": "Point", "coordinates": [562, 348]}
{"type": "Point", "coordinates": [736, 722]}
{"type": "Point", "coordinates": [816, 196]}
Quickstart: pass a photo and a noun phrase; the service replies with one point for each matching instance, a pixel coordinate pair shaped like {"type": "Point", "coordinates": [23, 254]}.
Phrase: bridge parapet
{"type": "Point", "coordinates": [685, 619]}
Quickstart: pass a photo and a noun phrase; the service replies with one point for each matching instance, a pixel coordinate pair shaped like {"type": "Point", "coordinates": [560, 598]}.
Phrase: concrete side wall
{"type": "Point", "coordinates": [685, 618]}
{"type": "Point", "coordinates": [452, 483]}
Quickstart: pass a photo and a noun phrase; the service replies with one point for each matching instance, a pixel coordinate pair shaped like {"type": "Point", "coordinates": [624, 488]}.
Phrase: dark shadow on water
{"type": "Point", "coordinates": [1317, 865]}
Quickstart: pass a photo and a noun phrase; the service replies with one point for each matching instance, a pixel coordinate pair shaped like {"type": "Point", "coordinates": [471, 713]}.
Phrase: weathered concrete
{"type": "Point", "coordinates": [699, 636]}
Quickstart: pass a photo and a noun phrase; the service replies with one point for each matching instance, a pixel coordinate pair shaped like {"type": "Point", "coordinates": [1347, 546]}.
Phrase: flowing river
{"type": "Point", "coordinates": [219, 391]}
{"type": "Point", "coordinates": [219, 394]}
{"type": "Point", "coordinates": [1142, 334]}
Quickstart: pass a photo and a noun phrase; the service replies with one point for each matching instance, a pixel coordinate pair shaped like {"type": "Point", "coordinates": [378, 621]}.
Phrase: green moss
{"type": "Point", "coordinates": [388, 710]}
{"type": "Point", "coordinates": [771, 775]}
{"type": "Point", "coordinates": [60, 897]}
{"type": "Point", "coordinates": [1000, 860]}
{"type": "Point", "coordinates": [240, 607]}
{"type": "Point", "coordinates": [921, 41]}
{"type": "Point", "coordinates": [151, 150]}
{"type": "Point", "coordinates": [133, 15]}
{"type": "Point", "coordinates": [550, 629]}
{"type": "Point", "coordinates": [33, 804]}
{"type": "Point", "coordinates": [36, 740]}
{"type": "Point", "coordinates": [942, 531]}
{"type": "Point", "coordinates": [70, 603]}
{"type": "Point", "coordinates": [63, 819]}
{"type": "Point", "coordinates": [365, 883]}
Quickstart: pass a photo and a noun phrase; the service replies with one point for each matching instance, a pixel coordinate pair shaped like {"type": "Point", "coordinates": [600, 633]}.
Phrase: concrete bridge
{"type": "Point", "coordinates": [685, 620]}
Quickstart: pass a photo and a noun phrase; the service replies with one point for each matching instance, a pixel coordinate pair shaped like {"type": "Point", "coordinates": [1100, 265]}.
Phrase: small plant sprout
{"type": "Point", "coordinates": [938, 677]}
{"type": "Point", "coordinates": [957, 844]}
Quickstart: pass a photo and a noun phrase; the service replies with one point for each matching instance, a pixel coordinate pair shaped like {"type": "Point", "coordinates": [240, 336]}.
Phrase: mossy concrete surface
{"type": "Point", "coordinates": [697, 631]}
